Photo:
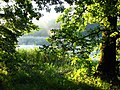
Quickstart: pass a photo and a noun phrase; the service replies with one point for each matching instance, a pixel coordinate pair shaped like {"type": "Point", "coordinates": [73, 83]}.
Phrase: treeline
{"type": "Point", "coordinates": [31, 40]}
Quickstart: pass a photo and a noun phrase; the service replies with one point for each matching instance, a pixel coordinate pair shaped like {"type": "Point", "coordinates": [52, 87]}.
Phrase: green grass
{"type": "Point", "coordinates": [48, 69]}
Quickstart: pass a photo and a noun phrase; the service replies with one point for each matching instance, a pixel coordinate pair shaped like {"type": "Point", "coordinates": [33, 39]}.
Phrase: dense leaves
{"type": "Point", "coordinates": [76, 32]}
{"type": "Point", "coordinates": [16, 19]}
{"type": "Point", "coordinates": [17, 15]}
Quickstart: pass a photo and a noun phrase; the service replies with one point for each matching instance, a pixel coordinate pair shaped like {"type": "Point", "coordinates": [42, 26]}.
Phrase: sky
{"type": "Point", "coordinates": [48, 15]}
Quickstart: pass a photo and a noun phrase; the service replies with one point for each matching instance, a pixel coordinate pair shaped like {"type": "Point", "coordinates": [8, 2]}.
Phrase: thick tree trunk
{"type": "Point", "coordinates": [107, 65]}
{"type": "Point", "coordinates": [108, 56]}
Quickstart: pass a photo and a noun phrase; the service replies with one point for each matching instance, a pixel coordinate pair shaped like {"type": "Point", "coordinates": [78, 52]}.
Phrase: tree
{"type": "Point", "coordinates": [75, 31]}
{"type": "Point", "coordinates": [15, 20]}
{"type": "Point", "coordinates": [16, 17]}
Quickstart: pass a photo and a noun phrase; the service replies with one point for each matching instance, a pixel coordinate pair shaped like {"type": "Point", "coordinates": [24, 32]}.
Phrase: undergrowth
{"type": "Point", "coordinates": [51, 69]}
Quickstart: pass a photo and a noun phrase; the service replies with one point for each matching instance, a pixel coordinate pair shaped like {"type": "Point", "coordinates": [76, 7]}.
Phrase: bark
{"type": "Point", "coordinates": [107, 64]}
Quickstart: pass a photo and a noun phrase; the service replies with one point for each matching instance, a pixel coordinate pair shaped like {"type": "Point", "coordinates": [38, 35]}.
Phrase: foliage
{"type": "Point", "coordinates": [15, 20]}
{"type": "Point", "coordinates": [7, 39]}
{"type": "Point", "coordinates": [55, 67]}
{"type": "Point", "coordinates": [75, 34]}
{"type": "Point", "coordinates": [50, 69]}
{"type": "Point", "coordinates": [75, 22]}
{"type": "Point", "coordinates": [17, 15]}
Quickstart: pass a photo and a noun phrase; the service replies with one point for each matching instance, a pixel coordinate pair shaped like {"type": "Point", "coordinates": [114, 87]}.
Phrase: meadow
{"type": "Point", "coordinates": [52, 69]}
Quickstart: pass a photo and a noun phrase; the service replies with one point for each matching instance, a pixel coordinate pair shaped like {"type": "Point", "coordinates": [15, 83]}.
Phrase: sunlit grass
{"type": "Point", "coordinates": [47, 69]}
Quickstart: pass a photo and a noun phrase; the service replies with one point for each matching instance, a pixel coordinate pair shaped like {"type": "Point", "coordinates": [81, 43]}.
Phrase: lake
{"type": "Point", "coordinates": [28, 46]}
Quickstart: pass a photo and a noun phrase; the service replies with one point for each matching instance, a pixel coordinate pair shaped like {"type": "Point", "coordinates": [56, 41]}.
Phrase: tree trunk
{"type": "Point", "coordinates": [107, 64]}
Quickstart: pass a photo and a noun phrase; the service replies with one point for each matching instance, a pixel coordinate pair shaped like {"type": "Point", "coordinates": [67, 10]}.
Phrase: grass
{"type": "Point", "coordinates": [49, 69]}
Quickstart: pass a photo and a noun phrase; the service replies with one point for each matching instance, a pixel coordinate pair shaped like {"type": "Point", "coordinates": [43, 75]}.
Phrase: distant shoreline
{"type": "Point", "coordinates": [28, 46]}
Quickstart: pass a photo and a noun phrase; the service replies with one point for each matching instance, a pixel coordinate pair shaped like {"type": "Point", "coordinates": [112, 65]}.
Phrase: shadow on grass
{"type": "Point", "coordinates": [35, 73]}
{"type": "Point", "coordinates": [45, 81]}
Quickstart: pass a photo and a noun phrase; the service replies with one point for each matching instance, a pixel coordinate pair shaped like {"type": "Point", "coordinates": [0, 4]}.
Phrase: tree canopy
{"type": "Point", "coordinates": [75, 31]}
{"type": "Point", "coordinates": [16, 18]}
{"type": "Point", "coordinates": [83, 23]}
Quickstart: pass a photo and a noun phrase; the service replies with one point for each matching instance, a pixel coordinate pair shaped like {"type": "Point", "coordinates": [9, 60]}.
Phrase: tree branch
{"type": "Point", "coordinates": [2, 15]}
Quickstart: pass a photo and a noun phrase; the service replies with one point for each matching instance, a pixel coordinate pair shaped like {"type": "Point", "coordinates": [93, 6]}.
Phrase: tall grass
{"type": "Point", "coordinates": [52, 69]}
